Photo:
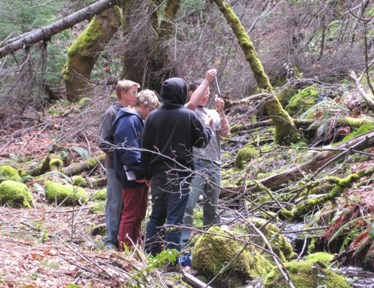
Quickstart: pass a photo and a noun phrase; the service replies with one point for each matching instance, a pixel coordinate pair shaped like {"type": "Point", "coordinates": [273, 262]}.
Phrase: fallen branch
{"type": "Point", "coordinates": [45, 33]}
{"type": "Point", "coordinates": [361, 90]}
{"type": "Point", "coordinates": [358, 143]}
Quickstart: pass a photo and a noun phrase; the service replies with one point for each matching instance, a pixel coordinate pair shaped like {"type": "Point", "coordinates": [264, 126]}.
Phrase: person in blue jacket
{"type": "Point", "coordinates": [128, 130]}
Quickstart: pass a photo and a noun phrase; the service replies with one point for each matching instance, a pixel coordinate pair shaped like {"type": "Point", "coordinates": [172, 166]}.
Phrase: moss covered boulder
{"type": "Point", "coordinates": [244, 155]}
{"type": "Point", "coordinates": [98, 208]}
{"type": "Point", "coordinates": [15, 194]}
{"type": "Point", "coordinates": [66, 194]}
{"type": "Point", "coordinates": [279, 244]}
{"type": "Point", "coordinates": [306, 274]}
{"type": "Point", "coordinates": [99, 195]}
{"type": "Point", "coordinates": [303, 100]}
{"type": "Point", "coordinates": [9, 173]}
{"type": "Point", "coordinates": [234, 264]}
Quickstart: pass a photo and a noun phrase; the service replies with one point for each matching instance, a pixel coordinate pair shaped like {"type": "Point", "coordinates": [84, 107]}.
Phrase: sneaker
{"type": "Point", "coordinates": [110, 246]}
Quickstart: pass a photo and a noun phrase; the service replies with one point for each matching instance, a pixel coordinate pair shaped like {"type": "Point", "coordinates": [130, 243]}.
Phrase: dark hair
{"type": "Point", "coordinates": [194, 84]}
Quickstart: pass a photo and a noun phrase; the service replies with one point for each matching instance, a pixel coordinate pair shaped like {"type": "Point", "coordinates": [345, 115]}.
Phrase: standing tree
{"type": "Point", "coordinates": [286, 131]}
{"type": "Point", "coordinates": [85, 51]}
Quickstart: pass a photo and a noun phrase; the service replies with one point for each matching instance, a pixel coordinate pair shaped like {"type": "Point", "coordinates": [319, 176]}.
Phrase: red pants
{"type": "Point", "coordinates": [135, 203]}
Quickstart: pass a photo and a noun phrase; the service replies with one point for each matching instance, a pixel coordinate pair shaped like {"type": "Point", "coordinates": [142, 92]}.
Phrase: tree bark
{"type": "Point", "coordinates": [286, 132]}
{"type": "Point", "coordinates": [85, 51]}
{"type": "Point", "coordinates": [156, 65]}
{"type": "Point", "coordinates": [45, 33]}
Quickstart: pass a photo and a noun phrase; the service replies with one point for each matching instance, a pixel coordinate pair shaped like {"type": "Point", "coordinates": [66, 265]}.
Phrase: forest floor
{"type": "Point", "coordinates": [49, 245]}
{"type": "Point", "coordinates": [54, 246]}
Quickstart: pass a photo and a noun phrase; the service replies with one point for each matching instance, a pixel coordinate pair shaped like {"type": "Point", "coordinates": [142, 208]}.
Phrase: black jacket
{"type": "Point", "coordinates": [170, 132]}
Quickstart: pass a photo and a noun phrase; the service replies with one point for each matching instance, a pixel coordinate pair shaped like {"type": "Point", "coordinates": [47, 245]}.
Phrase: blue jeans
{"type": "Point", "coordinates": [206, 182]}
{"type": "Point", "coordinates": [169, 199]}
{"type": "Point", "coordinates": [113, 209]}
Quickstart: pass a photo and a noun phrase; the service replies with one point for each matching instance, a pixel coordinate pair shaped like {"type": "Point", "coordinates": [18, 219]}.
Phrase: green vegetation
{"type": "Point", "coordinates": [15, 194]}
{"type": "Point", "coordinates": [306, 274]}
{"type": "Point", "coordinates": [9, 173]}
{"type": "Point", "coordinates": [64, 194]}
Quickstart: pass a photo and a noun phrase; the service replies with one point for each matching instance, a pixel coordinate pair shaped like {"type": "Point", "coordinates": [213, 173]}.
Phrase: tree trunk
{"type": "Point", "coordinates": [286, 131]}
{"type": "Point", "coordinates": [85, 51]}
{"type": "Point", "coordinates": [47, 32]}
{"type": "Point", "coordinates": [155, 66]}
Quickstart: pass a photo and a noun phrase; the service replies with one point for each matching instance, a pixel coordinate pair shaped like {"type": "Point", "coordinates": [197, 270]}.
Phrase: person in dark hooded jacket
{"type": "Point", "coordinates": [128, 129]}
{"type": "Point", "coordinates": [169, 134]}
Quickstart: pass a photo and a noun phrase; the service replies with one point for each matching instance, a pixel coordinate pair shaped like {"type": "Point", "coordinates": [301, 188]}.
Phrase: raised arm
{"type": "Point", "coordinates": [201, 90]}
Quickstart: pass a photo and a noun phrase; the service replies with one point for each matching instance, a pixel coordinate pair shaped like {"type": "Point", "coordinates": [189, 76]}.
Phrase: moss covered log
{"type": "Point", "coordinates": [286, 132]}
{"type": "Point", "coordinates": [341, 184]}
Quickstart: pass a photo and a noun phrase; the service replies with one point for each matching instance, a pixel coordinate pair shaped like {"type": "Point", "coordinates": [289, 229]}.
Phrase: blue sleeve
{"type": "Point", "coordinates": [128, 140]}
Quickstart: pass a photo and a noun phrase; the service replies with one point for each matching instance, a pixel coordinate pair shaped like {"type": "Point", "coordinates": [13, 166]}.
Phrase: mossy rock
{"type": "Point", "coordinates": [320, 257]}
{"type": "Point", "coordinates": [9, 173]}
{"type": "Point", "coordinates": [15, 194]}
{"type": "Point", "coordinates": [66, 194]}
{"type": "Point", "coordinates": [99, 195]}
{"type": "Point", "coordinates": [79, 181]}
{"type": "Point", "coordinates": [280, 245]}
{"type": "Point", "coordinates": [98, 208]}
{"type": "Point", "coordinates": [306, 274]}
{"type": "Point", "coordinates": [213, 254]}
{"type": "Point", "coordinates": [244, 155]}
{"type": "Point", "coordinates": [303, 100]}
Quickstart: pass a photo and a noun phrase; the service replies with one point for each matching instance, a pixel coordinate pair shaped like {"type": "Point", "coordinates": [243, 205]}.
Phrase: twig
{"type": "Point", "coordinates": [85, 258]}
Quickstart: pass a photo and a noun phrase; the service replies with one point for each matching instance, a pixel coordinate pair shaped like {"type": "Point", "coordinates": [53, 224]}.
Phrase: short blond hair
{"type": "Point", "coordinates": [124, 86]}
{"type": "Point", "coordinates": [148, 98]}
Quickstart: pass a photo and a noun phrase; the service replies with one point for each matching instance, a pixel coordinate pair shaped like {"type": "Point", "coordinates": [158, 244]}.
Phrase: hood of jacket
{"type": "Point", "coordinates": [124, 112]}
{"type": "Point", "coordinates": [174, 92]}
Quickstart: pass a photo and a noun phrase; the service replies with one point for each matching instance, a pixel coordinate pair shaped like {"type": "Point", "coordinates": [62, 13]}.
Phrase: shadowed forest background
{"type": "Point", "coordinates": [297, 178]}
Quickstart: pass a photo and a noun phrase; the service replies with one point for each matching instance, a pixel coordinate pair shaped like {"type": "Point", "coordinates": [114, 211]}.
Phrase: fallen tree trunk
{"type": "Point", "coordinates": [45, 33]}
{"type": "Point", "coordinates": [83, 166]}
{"type": "Point", "coordinates": [320, 161]}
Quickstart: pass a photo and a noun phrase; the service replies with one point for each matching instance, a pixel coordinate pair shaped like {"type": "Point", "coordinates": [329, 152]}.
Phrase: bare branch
{"type": "Point", "coordinates": [47, 32]}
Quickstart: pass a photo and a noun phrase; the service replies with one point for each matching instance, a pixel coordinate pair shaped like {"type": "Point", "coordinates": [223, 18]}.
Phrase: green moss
{"type": "Point", "coordinates": [83, 102]}
{"type": "Point", "coordinates": [55, 162]}
{"type": "Point", "coordinates": [244, 155]}
{"type": "Point", "coordinates": [320, 257]}
{"type": "Point", "coordinates": [214, 253]}
{"type": "Point", "coordinates": [277, 241]}
{"type": "Point", "coordinates": [306, 274]}
{"type": "Point", "coordinates": [98, 208]}
{"type": "Point", "coordinates": [285, 95]}
{"type": "Point", "coordinates": [303, 100]}
{"type": "Point", "coordinates": [66, 194]}
{"type": "Point", "coordinates": [15, 194]}
{"type": "Point", "coordinates": [9, 173]}
{"type": "Point", "coordinates": [99, 195]}
{"type": "Point", "coordinates": [79, 181]}
{"type": "Point", "coordinates": [362, 130]}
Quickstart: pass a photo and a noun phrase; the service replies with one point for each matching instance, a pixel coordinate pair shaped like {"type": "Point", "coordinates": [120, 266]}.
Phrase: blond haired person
{"type": "Point", "coordinates": [128, 131]}
{"type": "Point", "coordinates": [126, 92]}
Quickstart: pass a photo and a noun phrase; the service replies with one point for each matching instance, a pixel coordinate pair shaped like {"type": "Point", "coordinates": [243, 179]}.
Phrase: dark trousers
{"type": "Point", "coordinates": [169, 200]}
{"type": "Point", "coordinates": [135, 203]}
